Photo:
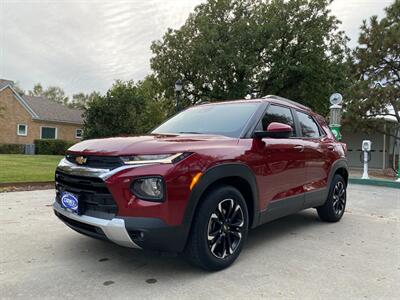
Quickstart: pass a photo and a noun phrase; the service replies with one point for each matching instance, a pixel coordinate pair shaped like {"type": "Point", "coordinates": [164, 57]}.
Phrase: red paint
{"type": "Point", "coordinates": [282, 167]}
{"type": "Point", "coordinates": [278, 127]}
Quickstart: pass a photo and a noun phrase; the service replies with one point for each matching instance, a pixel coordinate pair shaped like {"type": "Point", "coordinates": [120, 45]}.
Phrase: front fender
{"type": "Point", "coordinates": [215, 174]}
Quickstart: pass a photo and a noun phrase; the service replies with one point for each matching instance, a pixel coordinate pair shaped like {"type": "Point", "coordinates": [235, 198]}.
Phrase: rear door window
{"type": "Point", "coordinates": [308, 126]}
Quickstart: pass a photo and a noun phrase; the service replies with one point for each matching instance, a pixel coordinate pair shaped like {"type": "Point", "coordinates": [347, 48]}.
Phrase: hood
{"type": "Point", "coordinates": [150, 144]}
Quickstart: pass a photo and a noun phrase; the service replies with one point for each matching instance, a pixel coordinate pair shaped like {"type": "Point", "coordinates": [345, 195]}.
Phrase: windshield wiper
{"type": "Point", "coordinates": [189, 132]}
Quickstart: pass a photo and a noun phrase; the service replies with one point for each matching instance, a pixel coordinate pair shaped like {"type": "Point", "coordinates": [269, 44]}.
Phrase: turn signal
{"type": "Point", "coordinates": [195, 180]}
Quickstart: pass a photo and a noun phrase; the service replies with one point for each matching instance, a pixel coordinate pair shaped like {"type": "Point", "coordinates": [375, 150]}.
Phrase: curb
{"type": "Point", "coordinates": [23, 184]}
{"type": "Point", "coordinates": [376, 182]}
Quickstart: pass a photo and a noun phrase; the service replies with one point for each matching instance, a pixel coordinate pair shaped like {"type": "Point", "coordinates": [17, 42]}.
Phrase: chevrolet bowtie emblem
{"type": "Point", "coordinates": [80, 160]}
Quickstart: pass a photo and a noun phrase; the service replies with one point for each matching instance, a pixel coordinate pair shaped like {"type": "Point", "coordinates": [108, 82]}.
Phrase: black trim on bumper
{"type": "Point", "coordinates": [147, 233]}
{"type": "Point", "coordinates": [155, 234]}
{"type": "Point", "coordinates": [82, 228]}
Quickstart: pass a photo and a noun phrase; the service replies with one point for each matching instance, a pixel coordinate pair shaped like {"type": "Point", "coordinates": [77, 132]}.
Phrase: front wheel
{"type": "Point", "coordinates": [333, 209]}
{"type": "Point", "coordinates": [219, 229]}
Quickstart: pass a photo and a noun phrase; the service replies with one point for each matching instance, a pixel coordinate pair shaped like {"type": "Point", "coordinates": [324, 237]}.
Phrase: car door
{"type": "Point", "coordinates": [283, 166]}
{"type": "Point", "coordinates": [317, 149]}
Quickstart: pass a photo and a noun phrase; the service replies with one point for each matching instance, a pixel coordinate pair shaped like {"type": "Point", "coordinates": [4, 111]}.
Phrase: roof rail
{"type": "Point", "coordinates": [287, 100]}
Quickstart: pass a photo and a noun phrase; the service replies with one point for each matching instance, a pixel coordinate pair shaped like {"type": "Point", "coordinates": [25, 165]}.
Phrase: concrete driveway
{"type": "Point", "coordinates": [294, 257]}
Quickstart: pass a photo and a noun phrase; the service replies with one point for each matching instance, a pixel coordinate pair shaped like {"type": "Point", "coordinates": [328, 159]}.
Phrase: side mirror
{"type": "Point", "coordinates": [275, 130]}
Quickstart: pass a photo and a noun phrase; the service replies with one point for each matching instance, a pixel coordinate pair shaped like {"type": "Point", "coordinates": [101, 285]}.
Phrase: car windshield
{"type": "Point", "coordinates": [224, 119]}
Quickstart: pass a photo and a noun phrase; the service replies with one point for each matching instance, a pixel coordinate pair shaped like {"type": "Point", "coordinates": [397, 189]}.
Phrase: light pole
{"type": "Point", "coordinates": [336, 114]}
{"type": "Point", "coordinates": [178, 90]}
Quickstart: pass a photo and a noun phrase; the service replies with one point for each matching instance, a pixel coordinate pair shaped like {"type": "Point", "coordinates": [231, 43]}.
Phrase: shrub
{"type": "Point", "coordinates": [12, 149]}
{"type": "Point", "coordinates": [52, 147]}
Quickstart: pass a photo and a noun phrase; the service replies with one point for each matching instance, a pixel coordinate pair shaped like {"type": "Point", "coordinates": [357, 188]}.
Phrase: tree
{"type": "Point", "coordinates": [126, 109]}
{"type": "Point", "coordinates": [157, 106]}
{"type": "Point", "coordinates": [37, 90]}
{"type": "Point", "coordinates": [230, 48]}
{"type": "Point", "coordinates": [376, 65]}
{"type": "Point", "coordinates": [53, 93]}
{"type": "Point", "coordinates": [81, 100]}
{"type": "Point", "coordinates": [18, 89]}
{"type": "Point", "coordinates": [56, 94]}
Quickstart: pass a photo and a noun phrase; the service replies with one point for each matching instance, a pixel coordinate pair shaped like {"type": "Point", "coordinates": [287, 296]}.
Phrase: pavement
{"type": "Point", "coordinates": [297, 257]}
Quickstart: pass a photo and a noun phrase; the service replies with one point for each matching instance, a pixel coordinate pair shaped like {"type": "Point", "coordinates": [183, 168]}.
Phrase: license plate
{"type": "Point", "coordinates": [70, 202]}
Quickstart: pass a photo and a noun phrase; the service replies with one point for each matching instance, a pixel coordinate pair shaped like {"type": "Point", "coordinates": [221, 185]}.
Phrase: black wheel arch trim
{"type": "Point", "coordinates": [216, 173]}
{"type": "Point", "coordinates": [338, 164]}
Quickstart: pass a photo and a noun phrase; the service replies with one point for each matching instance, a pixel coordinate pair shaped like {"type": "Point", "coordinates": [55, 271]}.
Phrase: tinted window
{"type": "Point", "coordinates": [224, 119]}
{"type": "Point", "coordinates": [308, 126]}
{"type": "Point", "coordinates": [278, 114]}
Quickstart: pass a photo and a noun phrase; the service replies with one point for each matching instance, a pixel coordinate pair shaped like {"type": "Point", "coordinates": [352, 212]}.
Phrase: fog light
{"type": "Point", "coordinates": [149, 188]}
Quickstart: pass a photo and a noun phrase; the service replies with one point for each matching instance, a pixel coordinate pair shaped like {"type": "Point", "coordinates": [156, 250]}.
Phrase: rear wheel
{"type": "Point", "coordinates": [219, 229]}
{"type": "Point", "coordinates": [333, 209]}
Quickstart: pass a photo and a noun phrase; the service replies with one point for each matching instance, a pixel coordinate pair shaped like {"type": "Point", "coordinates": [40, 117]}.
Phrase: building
{"type": "Point", "coordinates": [26, 118]}
{"type": "Point", "coordinates": [385, 149]}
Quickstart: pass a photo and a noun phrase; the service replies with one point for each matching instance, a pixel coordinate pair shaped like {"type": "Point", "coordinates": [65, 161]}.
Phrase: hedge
{"type": "Point", "coordinates": [52, 147]}
{"type": "Point", "coordinates": [12, 149]}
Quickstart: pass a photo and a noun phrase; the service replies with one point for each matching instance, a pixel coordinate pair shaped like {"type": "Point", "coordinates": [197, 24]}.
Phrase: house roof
{"type": "Point", "coordinates": [52, 111]}
{"type": "Point", "coordinates": [5, 82]}
{"type": "Point", "coordinates": [41, 108]}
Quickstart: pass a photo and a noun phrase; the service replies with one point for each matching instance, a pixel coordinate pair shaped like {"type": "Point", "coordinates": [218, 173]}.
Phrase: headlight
{"type": "Point", "coordinates": [154, 158]}
{"type": "Point", "coordinates": [149, 188]}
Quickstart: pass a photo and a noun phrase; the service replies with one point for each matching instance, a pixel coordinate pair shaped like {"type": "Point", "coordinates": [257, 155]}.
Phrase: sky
{"type": "Point", "coordinates": [83, 46]}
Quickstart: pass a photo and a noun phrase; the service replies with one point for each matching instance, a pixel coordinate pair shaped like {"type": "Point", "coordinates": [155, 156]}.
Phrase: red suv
{"type": "Point", "coordinates": [201, 180]}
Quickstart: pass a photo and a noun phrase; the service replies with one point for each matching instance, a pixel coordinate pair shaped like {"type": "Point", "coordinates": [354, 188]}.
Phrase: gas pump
{"type": "Point", "coordinates": [365, 157]}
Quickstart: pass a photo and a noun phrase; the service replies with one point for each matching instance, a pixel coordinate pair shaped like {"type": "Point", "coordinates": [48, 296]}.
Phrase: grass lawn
{"type": "Point", "coordinates": [27, 168]}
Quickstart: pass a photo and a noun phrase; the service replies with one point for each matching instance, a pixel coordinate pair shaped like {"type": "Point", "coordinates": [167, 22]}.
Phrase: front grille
{"type": "Point", "coordinates": [98, 162]}
{"type": "Point", "coordinates": [93, 195]}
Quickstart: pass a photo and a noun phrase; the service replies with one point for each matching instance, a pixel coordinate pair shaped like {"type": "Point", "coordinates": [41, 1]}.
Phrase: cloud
{"type": "Point", "coordinates": [86, 45]}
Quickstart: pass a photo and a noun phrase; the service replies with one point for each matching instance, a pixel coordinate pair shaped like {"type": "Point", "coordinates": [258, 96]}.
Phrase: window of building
{"type": "Point", "coordinates": [22, 129]}
{"type": "Point", "coordinates": [48, 133]}
{"type": "Point", "coordinates": [278, 114]}
{"type": "Point", "coordinates": [308, 126]}
{"type": "Point", "coordinates": [78, 133]}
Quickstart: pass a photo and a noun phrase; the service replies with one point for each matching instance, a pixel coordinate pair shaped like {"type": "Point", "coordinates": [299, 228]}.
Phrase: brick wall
{"type": "Point", "coordinates": [13, 113]}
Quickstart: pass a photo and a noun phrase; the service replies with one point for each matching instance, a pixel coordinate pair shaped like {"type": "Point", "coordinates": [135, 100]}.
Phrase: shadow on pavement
{"type": "Point", "coordinates": [107, 257]}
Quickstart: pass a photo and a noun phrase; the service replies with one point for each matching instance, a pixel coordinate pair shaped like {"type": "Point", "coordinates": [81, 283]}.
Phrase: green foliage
{"type": "Point", "coordinates": [52, 147]}
{"type": "Point", "coordinates": [53, 93]}
{"type": "Point", "coordinates": [12, 149]}
{"type": "Point", "coordinates": [230, 48]}
{"type": "Point", "coordinates": [81, 100]}
{"type": "Point", "coordinates": [156, 106]}
{"type": "Point", "coordinates": [126, 109]}
{"type": "Point", "coordinates": [376, 68]}
{"type": "Point", "coordinates": [37, 90]}
{"type": "Point", "coordinates": [56, 94]}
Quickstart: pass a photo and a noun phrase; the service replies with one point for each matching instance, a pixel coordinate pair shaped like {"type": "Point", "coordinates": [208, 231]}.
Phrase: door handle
{"type": "Point", "coordinates": [330, 147]}
{"type": "Point", "coordinates": [299, 147]}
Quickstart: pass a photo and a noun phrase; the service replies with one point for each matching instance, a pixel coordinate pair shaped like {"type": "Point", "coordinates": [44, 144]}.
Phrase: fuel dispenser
{"type": "Point", "coordinates": [365, 157]}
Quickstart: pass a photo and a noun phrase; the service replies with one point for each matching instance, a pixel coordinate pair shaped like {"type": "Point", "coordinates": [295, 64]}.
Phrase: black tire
{"type": "Point", "coordinates": [209, 237]}
{"type": "Point", "coordinates": [334, 207]}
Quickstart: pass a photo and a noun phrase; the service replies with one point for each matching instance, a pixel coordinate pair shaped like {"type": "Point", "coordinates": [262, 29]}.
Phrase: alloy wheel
{"type": "Point", "coordinates": [225, 228]}
{"type": "Point", "coordinates": [339, 198]}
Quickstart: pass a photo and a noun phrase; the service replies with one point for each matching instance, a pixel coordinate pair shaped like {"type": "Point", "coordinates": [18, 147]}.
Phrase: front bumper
{"type": "Point", "coordinates": [113, 230]}
{"type": "Point", "coordinates": [132, 232]}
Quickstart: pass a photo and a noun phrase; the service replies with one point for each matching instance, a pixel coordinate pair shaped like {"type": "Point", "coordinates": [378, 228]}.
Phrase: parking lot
{"type": "Point", "coordinates": [294, 257]}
